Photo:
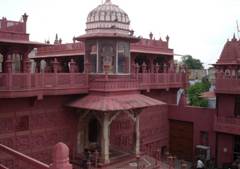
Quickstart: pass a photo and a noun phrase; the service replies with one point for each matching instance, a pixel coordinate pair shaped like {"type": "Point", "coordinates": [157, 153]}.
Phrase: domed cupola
{"type": "Point", "coordinates": [107, 40]}
{"type": "Point", "coordinates": [107, 18]}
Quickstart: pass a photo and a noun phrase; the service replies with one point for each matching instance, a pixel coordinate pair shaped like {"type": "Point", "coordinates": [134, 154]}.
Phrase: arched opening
{"type": "Point", "coordinates": [93, 131]}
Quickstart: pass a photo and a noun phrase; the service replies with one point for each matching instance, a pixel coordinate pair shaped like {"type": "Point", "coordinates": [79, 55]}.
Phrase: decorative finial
{"type": "Point", "coordinates": [108, 1]}
{"type": "Point", "coordinates": [56, 39]}
{"type": "Point", "coordinates": [151, 35]}
{"type": "Point", "coordinates": [234, 37]}
{"type": "Point", "coordinates": [167, 38]}
{"type": "Point", "coordinates": [25, 17]}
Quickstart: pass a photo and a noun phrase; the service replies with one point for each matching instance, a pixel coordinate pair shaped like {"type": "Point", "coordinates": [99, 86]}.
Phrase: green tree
{"type": "Point", "coordinates": [191, 62]}
{"type": "Point", "coordinates": [195, 91]}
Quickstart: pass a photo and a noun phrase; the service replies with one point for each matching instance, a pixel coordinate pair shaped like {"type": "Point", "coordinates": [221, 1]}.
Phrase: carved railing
{"type": "Point", "coordinates": [19, 160]}
{"type": "Point", "coordinates": [228, 85]}
{"type": "Point", "coordinates": [14, 36]}
{"type": "Point", "coordinates": [42, 82]}
{"type": "Point", "coordinates": [139, 81]}
{"type": "Point", "coordinates": [148, 43]}
{"type": "Point", "coordinates": [69, 48]}
{"type": "Point", "coordinates": [12, 26]}
{"type": "Point", "coordinates": [73, 83]}
{"type": "Point", "coordinates": [229, 125]}
{"type": "Point", "coordinates": [114, 85]}
{"type": "Point", "coordinates": [60, 159]}
{"type": "Point", "coordinates": [228, 80]}
{"type": "Point", "coordinates": [162, 80]}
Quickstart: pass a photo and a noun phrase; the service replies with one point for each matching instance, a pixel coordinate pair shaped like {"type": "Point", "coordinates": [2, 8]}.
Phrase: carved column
{"type": "Point", "coordinates": [105, 138]}
{"type": "Point", "coordinates": [137, 70]}
{"type": "Point", "coordinates": [38, 66]}
{"type": "Point", "coordinates": [7, 63]}
{"type": "Point", "coordinates": [165, 68]}
{"type": "Point", "coordinates": [26, 64]}
{"type": "Point", "coordinates": [144, 68]}
{"type": "Point", "coordinates": [137, 132]}
{"type": "Point", "coordinates": [151, 65]}
{"type": "Point", "coordinates": [72, 66]}
{"type": "Point", "coordinates": [56, 65]}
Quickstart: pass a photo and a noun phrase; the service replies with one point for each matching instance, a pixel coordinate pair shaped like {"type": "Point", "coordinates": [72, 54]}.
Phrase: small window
{"type": "Point", "coordinates": [22, 123]}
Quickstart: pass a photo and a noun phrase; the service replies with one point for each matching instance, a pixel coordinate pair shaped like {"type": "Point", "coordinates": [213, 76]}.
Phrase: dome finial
{"type": "Point", "coordinates": [108, 1]}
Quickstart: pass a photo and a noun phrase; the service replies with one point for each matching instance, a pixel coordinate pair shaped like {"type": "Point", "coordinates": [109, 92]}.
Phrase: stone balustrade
{"type": "Point", "coordinates": [60, 158]}
{"type": "Point", "coordinates": [39, 84]}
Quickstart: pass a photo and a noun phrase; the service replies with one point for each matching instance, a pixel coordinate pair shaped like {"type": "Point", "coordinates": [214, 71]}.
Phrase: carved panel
{"type": "Point", "coordinates": [22, 143]}
{"type": "Point", "coordinates": [38, 140]}
{"type": "Point", "coordinates": [37, 121]}
{"type": "Point", "coordinates": [6, 125]}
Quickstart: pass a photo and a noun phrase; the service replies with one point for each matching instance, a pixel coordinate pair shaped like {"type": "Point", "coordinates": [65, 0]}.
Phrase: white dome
{"type": "Point", "coordinates": [107, 17]}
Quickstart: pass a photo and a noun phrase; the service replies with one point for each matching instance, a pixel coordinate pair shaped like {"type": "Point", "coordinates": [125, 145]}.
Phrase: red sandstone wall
{"type": "Point", "coordinates": [170, 96]}
{"type": "Point", "coordinates": [202, 119]}
{"type": "Point", "coordinates": [121, 133]}
{"type": "Point", "coordinates": [225, 148]}
{"type": "Point", "coordinates": [153, 127]}
{"type": "Point", "coordinates": [33, 127]}
{"type": "Point", "coordinates": [226, 105]}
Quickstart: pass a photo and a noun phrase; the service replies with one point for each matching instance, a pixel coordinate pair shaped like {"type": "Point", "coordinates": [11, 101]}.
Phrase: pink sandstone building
{"type": "Point", "coordinates": [109, 95]}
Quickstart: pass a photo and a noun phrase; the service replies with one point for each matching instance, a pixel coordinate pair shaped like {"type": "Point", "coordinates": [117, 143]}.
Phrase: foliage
{"type": "Point", "coordinates": [195, 91]}
{"type": "Point", "coordinates": [191, 62]}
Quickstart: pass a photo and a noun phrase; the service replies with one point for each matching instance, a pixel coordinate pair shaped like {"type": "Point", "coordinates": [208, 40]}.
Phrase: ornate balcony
{"type": "Point", "coordinates": [151, 46]}
{"type": "Point", "coordinates": [162, 80]}
{"type": "Point", "coordinates": [230, 125]}
{"type": "Point", "coordinates": [69, 49]}
{"type": "Point", "coordinates": [140, 81]}
{"type": "Point", "coordinates": [39, 84]}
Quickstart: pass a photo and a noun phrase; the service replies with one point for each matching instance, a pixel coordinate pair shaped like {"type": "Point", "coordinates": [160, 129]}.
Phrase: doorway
{"type": "Point", "coordinates": [93, 131]}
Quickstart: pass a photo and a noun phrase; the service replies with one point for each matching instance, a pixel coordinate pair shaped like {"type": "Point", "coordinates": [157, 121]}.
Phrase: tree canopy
{"type": "Point", "coordinates": [194, 92]}
{"type": "Point", "coordinates": [191, 62]}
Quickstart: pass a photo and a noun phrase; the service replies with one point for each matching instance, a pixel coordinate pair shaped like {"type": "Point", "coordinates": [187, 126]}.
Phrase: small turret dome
{"type": "Point", "coordinates": [106, 18]}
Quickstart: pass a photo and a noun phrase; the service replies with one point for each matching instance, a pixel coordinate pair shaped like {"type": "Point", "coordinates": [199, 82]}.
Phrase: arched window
{"type": "Point", "coordinates": [123, 57]}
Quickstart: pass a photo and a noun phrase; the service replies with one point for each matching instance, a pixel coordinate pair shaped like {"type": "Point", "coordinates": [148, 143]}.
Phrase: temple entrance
{"type": "Point", "coordinates": [93, 131]}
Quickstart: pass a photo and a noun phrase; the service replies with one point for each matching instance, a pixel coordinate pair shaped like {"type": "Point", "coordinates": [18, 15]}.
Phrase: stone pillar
{"type": "Point", "coordinates": [105, 138]}
{"type": "Point", "coordinates": [165, 68]}
{"type": "Point", "coordinates": [60, 156]}
{"type": "Point", "coordinates": [144, 67]}
{"type": "Point", "coordinates": [137, 132]}
{"type": "Point", "coordinates": [72, 66]}
{"type": "Point", "coordinates": [26, 63]}
{"type": "Point", "coordinates": [151, 65]}
{"type": "Point", "coordinates": [56, 65]}
{"type": "Point", "coordinates": [7, 63]}
{"type": "Point", "coordinates": [38, 66]}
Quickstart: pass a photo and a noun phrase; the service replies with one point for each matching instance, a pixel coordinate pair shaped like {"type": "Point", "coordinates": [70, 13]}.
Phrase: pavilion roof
{"type": "Point", "coordinates": [107, 35]}
{"type": "Point", "coordinates": [21, 42]}
{"type": "Point", "coordinates": [231, 53]}
{"type": "Point", "coordinates": [114, 102]}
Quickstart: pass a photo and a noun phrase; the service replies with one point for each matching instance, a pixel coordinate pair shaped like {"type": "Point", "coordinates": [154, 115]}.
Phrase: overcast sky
{"type": "Point", "coordinates": [196, 27]}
